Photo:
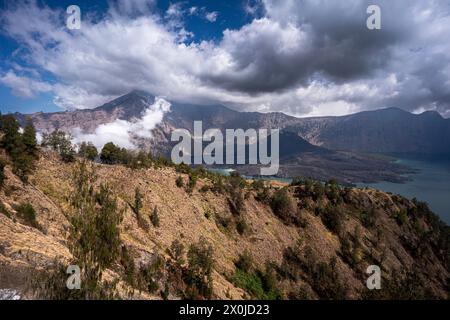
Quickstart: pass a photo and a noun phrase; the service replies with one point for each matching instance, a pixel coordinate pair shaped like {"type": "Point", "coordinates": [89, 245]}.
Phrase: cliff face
{"type": "Point", "coordinates": [313, 242]}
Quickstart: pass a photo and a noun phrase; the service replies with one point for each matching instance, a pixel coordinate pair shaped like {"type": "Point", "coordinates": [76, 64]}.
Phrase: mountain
{"type": "Point", "coordinates": [389, 130]}
{"type": "Point", "coordinates": [307, 241]}
{"type": "Point", "coordinates": [322, 148]}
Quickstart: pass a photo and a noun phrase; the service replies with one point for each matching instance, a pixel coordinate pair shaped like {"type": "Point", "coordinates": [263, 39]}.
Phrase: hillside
{"type": "Point", "coordinates": [306, 241]}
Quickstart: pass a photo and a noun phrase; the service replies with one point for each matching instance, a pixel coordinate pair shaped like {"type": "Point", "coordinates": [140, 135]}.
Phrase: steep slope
{"type": "Point", "coordinates": [330, 233]}
{"type": "Point", "coordinates": [382, 131]}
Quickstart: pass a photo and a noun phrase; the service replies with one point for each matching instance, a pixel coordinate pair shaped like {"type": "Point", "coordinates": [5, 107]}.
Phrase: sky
{"type": "Point", "coordinates": [301, 57]}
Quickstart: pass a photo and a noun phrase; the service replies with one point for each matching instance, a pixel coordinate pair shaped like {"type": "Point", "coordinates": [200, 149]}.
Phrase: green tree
{"type": "Point", "coordinates": [29, 138]}
{"type": "Point", "coordinates": [60, 142]}
{"type": "Point", "coordinates": [15, 146]}
{"type": "Point", "coordinates": [88, 151]}
{"type": "Point", "coordinates": [11, 140]}
{"type": "Point", "coordinates": [137, 202]}
{"type": "Point", "coordinates": [111, 154]}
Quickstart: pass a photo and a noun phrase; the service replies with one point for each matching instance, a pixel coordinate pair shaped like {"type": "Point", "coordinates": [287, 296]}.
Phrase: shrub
{"type": "Point", "coordinates": [192, 182]}
{"type": "Point", "coordinates": [209, 213]}
{"type": "Point", "coordinates": [176, 252]}
{"type": "Point", "coordinates": [128, 264]}
{"type": "Point", "coordinates": [245, 262]}
{"type": "Point", "coordinates": [154, 218]}
{"type": "Point", "coordinates": [401, 217]}
{"type": "Point", "coordinates": [223, 223]}
{"type": "Point", "coordinates": [152, 273]}
{"type": "Point", "coordinates": [28, 214]}
{"type": "Point", "coordinates": [241, 226]}
{"type": "Point", "coordinates": [368, 218]}
{"type": "Point", "coordinates": [263, 195]}
{"type": "Point", "coordinates": [333, 218]}
{"type": "Point", "coordinates": [258, 184]}
{"type": "Point", "coordinates": [283, 207]}
{"type": "Point", "coordinates": [179, 182]}
{"type": "Point", "coordinates": [2, 172]}
{"type": "Point", "coordinates": [333, 191]}
{"type": "Point", "coordinates": [260, 285]}
{"type": "Point", "coordinates": [201, 264]}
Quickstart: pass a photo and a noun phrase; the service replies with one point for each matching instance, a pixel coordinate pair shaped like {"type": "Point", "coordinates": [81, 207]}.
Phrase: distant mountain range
{"type": "Point", "coordinates": [320, 146]}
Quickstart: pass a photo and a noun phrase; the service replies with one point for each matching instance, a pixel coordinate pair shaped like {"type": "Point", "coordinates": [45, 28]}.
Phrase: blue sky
{"type": "Point", "coordinates": [304, 58]}
{"type": "Point", "coordinates": [230, 14]}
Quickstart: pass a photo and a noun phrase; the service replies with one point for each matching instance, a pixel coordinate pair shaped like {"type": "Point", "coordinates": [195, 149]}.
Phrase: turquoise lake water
{"type": "Point", "coordinates": [431, 184]}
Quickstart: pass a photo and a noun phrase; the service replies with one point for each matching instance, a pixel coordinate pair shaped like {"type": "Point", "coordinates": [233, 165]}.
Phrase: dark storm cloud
{"type": "Point", "coordinates": [335, 42]}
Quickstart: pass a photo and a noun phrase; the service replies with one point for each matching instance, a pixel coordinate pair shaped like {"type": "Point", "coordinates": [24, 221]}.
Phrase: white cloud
{"type": "Point", "coordinates": [122, 132]}
{"type": "Point", "coordinates": [211, 16]}
{"type": "Point", "coordinates": [23, 86]}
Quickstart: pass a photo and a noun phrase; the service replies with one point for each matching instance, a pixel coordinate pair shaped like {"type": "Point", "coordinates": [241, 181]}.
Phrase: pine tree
{"type": "Point", "coordinates": [11, 140]}
{"type": "Point", "coordinates": [29, 139]}
{"type": "Point", "coordinates": [15, 145]}
{"type": "Point", "coordinates": [137, 202]}
{"type": "Point", "coordinates": [88, 151]}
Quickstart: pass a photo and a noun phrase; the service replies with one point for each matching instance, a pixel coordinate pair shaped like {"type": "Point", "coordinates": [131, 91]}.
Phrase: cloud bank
{"type": "Point", "coordinates": [122, 132]}
{"type": "Point", "coordinates": [310, 57]}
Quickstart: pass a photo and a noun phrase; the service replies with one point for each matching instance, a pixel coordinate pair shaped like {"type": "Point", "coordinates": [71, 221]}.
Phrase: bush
{"type": "Point", "coordinates": [201, 264]}
{"type": "Point", "coordinates": [154, 218]}
{"type": "Point", "coordinates": [2, 172]}
{"type": "Point", "coordinates": [333, 218]}
{"type": "Point", "coordinates": [263, 195]}
{"type": "Point", "coordinates": [179, 182]}
{"type": "Point", "coordinates": [241, 226]}
{"type": "Point", "coordinates": [128, 264]}
{"type": "Point", "coordinates": [28, 214]}
{"type": "Point", "coordinates": [245, 262]}
{"type": "Point", "coordinates": [152, 273]}
{"type": "Point", "coordinates": [323, 277]}
{"type": "Point", "coordinates": [401, 217]}
{"type": "Point", "coordinates": [283, 207]}
{"type": "Point", "coordinates": [260, 285]}
{"type": "Point", "coordinates": [176, 252]}
{"type": "Point", "coordinates": [368, 218]}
